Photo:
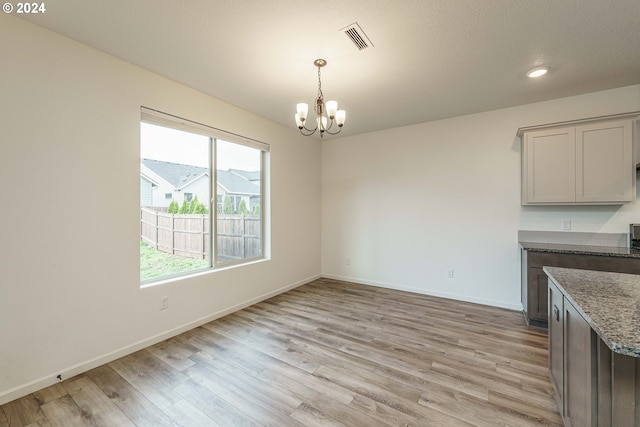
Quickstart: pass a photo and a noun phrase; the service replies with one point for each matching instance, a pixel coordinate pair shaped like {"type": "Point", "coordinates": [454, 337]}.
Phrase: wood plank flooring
{"type": "Point", "coordinates": [328, 353]}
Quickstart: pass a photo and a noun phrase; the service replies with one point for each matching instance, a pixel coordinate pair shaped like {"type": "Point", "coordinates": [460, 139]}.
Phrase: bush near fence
{"type": "Point", "coordinates": [187, 235]}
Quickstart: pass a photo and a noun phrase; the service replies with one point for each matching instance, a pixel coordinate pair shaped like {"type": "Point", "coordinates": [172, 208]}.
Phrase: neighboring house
{"type": "Point", "coordinates": [175, 181]}
{"type": "Point", "coordinates": [253, 176]}
{"type": "Point", "coordinates": [237, 185]}
{"type": "Point", "coordinates": [147, 185]}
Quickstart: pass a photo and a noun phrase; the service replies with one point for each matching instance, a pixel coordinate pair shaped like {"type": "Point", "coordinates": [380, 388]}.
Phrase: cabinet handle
{"type": "Point", "coordinates": [556, 312]}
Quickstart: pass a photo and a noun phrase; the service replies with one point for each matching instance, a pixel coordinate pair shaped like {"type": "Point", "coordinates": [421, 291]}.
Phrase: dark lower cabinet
{"type": "Point", "coordinates": [533, 290]}
{"type": "Point", "coordinates": [534, 280]}
{"type": "Point", "coordinates": [580, 377]}
{"type": "Point", "coordinates": [556, 340]}
{"type": "Point", "coordinates": [593, 385]}
{"type": "Point", "coordinates": [538, 306]}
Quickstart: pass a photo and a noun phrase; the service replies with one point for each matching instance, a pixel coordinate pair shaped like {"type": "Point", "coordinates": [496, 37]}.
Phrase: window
{"type": "Point", "coordinates": [207, 204]}
{"type": "Point", "coordinates": [239, 230]}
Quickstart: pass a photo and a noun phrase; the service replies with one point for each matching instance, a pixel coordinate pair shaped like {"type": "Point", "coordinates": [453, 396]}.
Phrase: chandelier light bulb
{"type": "Point", "coordinates": [302, 109]}
{"type": "Point", "coordinates": [341, 116]}
{"type": "Point", "coordinates": [332, 107]}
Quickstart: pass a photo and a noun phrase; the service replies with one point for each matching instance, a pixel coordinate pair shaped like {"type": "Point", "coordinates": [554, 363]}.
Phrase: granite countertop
{"type": "Point", "coordinates": [560, 248]}
{"type": "Point", "coordinates": [609, 302]}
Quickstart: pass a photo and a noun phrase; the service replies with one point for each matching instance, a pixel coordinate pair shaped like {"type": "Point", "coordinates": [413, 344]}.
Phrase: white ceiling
{"type": "Point", "coordinates": [431, 59]}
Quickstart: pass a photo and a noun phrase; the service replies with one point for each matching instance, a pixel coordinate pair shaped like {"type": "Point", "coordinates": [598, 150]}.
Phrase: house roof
{"type": "Point", "coordinates": [250, 175]}
{"type": "Point", "coordinates": [236, 183]}
{"type": "Point", "coordinates": [179, 175]}
{"type": "Point", "coordinates": [176, 174]}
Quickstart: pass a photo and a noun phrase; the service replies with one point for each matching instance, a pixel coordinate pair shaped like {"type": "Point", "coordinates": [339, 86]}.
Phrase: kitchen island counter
{"type": "Point", "coordinates": [609, 302]}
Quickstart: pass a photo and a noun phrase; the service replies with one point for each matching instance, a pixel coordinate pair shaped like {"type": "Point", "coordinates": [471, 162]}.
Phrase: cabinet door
{"type": "Point", "coordinates": [549, 172]}
{"type": "Point", "coordinates": [556, 344]}
{"type": "Point", "coordinates": [605, 169]}
{"type": "Point", "coordinates": [580, 391]}
{"type": "Point", "coordinates": [524, 270]}
{"type": "Point", "coordinates": [537, 294]}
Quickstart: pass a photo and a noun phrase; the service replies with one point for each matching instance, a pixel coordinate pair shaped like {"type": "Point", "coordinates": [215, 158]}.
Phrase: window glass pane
{"type": "Point", "coordinates": [239, 216]}
{"type": "Point", "coordinates": [174, 201]}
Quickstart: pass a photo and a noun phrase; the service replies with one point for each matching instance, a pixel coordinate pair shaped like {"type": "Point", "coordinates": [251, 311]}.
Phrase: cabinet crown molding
{"type": "Point", "coordinates": [632, 115]}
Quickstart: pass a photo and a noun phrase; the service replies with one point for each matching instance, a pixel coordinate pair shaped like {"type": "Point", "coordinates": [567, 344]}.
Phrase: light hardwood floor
{"type": "Point", "coordinates": [328, 353]}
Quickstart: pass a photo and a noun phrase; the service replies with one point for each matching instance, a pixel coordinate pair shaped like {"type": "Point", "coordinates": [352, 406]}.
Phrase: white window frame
{"type": "Point", "coordinates": [156, 117]}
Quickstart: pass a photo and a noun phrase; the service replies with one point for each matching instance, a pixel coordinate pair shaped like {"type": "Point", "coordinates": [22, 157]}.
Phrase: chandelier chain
{"type": "Point", "coordinates": [320, 94]}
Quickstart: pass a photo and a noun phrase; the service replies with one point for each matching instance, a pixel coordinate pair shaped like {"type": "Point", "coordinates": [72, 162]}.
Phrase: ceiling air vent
{"type": "Point", "coordinates": [357, 36]}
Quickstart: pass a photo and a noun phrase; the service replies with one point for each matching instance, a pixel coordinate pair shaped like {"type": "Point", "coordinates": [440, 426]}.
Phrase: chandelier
{"type": "Point", "coordinates": [327, 114]}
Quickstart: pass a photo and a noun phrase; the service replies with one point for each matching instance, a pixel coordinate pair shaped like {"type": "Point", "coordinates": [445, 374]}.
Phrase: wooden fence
{"type": "Point", "coordinates": [238, 236]}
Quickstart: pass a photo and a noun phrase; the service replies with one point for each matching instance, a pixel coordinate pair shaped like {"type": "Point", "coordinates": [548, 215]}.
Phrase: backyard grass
{"type": "Point", "coordinates": [155, 263]}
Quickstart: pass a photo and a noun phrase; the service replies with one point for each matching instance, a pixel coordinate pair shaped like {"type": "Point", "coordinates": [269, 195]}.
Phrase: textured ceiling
{"type": "Point", "coordinates": [431, 59]}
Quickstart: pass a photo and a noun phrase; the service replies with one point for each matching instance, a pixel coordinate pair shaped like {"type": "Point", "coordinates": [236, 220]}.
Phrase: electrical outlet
{"type": "Point", "coordinates": [566, 224]}
{"type": "Point", "coordinates": [450, 274]}
{"type": "Point", "coordinates": [347, 261]}
{"type": "Point", "coordinates": [164, 303]}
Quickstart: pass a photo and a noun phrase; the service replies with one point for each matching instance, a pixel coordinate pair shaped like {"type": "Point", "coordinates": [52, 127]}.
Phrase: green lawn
{"type": "Point", "coordinates": [154, 263]}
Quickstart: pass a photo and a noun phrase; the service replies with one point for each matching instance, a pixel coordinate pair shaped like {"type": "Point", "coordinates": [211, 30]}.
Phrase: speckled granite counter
{"type": "Point", "coordinates": [558, 248]}
{"type": "Point", "coordinates": [609, 302]}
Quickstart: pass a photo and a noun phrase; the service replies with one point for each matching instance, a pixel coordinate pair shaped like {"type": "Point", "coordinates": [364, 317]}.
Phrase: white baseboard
{"type": "Point", "coordinates": [492, 303]}
{"type": "Point", "coordinates": [66, 373]}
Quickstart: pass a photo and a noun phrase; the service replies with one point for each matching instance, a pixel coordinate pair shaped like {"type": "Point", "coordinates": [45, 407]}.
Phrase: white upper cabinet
{"type": "Point", "coordinates": [605, 164]}
{"type": "Point", "coordinates": [550, 166]}
{"type": "Point", "coordinates": [582, 162]}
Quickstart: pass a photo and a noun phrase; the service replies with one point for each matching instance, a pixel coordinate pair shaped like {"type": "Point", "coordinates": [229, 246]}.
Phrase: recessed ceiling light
{"type": "Point", "coordinates": [537, 72]}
